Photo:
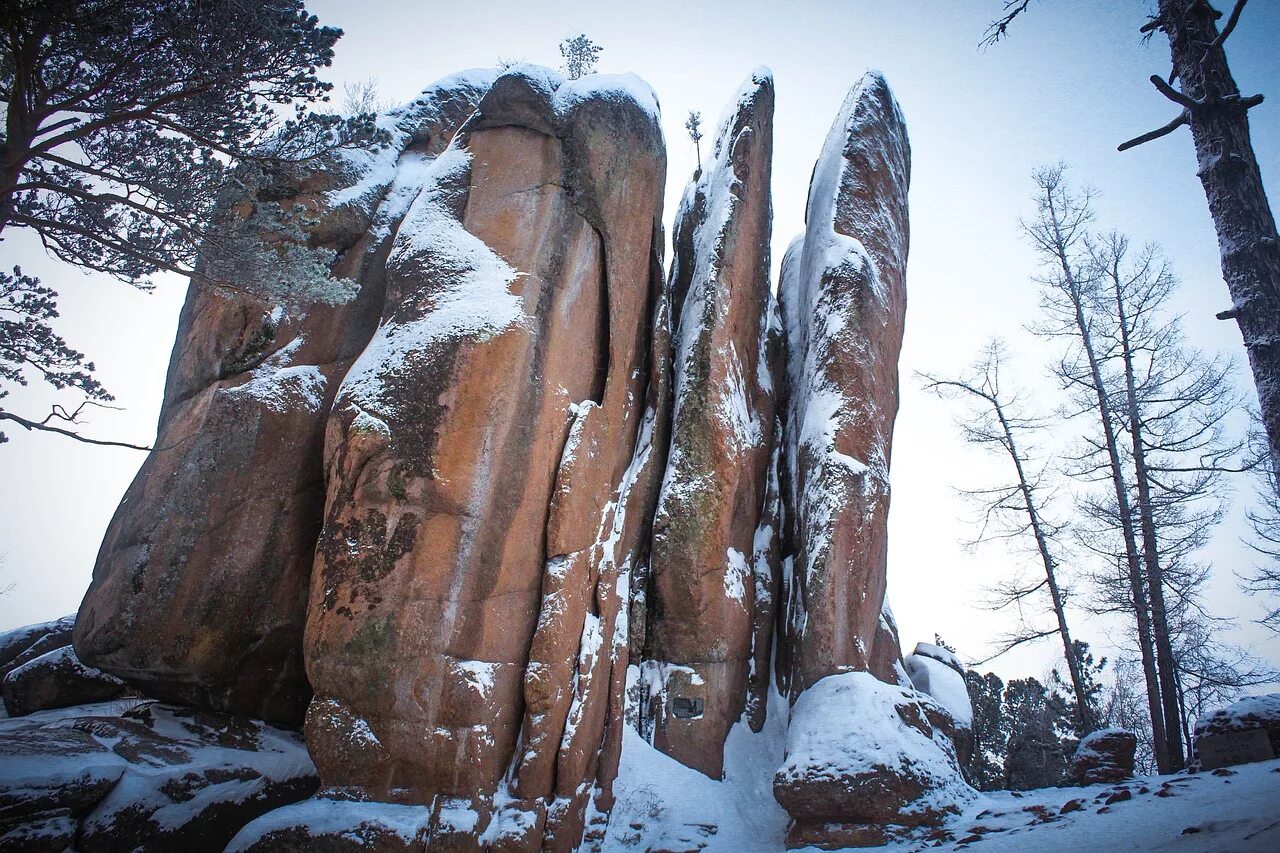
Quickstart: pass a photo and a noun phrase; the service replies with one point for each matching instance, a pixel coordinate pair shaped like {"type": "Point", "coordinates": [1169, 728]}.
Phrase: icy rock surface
{"type": "Point", "coordinates": [143, 776]}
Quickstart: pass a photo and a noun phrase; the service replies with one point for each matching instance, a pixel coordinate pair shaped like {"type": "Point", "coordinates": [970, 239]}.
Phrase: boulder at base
{"type": "Point", "coordinates": [861, 752]}
{"type": "Point", "coordinates": [1104, 756]}
{"type": "Point", "coordinates": [56, 679]}
{"type": "Point", "coordinates": [141, 776]}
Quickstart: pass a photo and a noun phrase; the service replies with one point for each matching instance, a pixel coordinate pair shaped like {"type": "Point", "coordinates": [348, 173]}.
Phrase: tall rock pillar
{"type": "Point", "coordinates": [710, 591]}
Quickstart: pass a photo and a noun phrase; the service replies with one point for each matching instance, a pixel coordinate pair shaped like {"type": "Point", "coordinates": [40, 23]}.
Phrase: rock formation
{"type": "Point", "coordinates": [843, 299]}
{"type": "Point", "coordinates": [712, 580]}
{"type": "Point", "coordinates": [200, 590]}
{"type": "Point", "coordinates": [490, 465]}
{"type": "Point", "coordinates": [495, 490]}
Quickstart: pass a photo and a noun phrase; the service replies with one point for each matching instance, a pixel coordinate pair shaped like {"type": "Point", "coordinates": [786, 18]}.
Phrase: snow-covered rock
{"type": "Point", "coordinates": [142, 776]}
{"type": "Point", "coordinates": [1253, 712]}
{"type": "Point", "coordinates": [30, 641]}
{"type": "Point", "coordinates": [713, 565]}
{"type": "Point", "coordinates": [843, 299]}
{"type": "Point", "coordinates": [56, 679]}
{"type": "Point", "coordinates": [1104, 756]}
{"type": "Point", "coordinates": [862, 752]}
{"type": "Point", "coordinates": [200, 591]}
{"type": "Point", "coordinates": [942, 680]}
{"type": "Point", "coordinates": [491, 467]}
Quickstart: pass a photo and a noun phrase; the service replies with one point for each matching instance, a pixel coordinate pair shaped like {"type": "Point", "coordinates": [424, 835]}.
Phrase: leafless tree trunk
{"type": "Point", "coordinates": [1217, 114]}
{"type": "Point", "coordinates": [995, 425]}
{"type": "Point", "coordinates": [1057, 232]}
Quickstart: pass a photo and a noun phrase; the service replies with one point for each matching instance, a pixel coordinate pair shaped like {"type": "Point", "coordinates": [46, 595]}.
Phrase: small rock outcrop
{"type": "Point", "coordinates": [31, 641]}
{"type": "Point", "coordinates": [1104, 757]}
{"type": "Point", "coordinates": [713, 565]}
{"type": "Point", "coordinates": [200, 591]}
{"type": "Point", "coordinates": [937, 672]}
{"type": "Point", "coordinates": [56, 679]}
{"type": "Point", "coordinates": [1239, 733]}
{"type": "Point", "coordinates": [141, 776]}
{"type": "Point", "coordinates": [491, 467]}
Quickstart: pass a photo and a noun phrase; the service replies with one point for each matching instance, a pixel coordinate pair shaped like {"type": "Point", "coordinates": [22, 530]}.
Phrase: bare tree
{"type": "Point", "coordinates": [1058, 233]}
{"type": "Point", "coordinates": [1216, 111]}
{"type": "Point", "coordinates": [1175, 403]}
{"type": "Point", "coordinates": [1015, 509]}
{"type": "Point", "coordinates": [363, 98]}
{"type": "Point", "coordinates": [1264, 579]}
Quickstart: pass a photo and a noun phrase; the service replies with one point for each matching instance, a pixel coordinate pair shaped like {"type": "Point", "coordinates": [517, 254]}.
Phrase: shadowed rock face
{"type": "Point", "coordinates": [711, 577]}
{"type": "Point", "coordinates": [489, 462]}
{"type": "Point", "coordinates": [200, 590]}
{"type": "Point", "coordinates": [843, 299]}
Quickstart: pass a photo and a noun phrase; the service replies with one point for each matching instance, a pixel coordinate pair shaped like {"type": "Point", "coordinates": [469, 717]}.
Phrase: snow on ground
{"type": "Point", "coordinates": [663, 805]}
{"type": "Point", "coordinates": [1236, 812]}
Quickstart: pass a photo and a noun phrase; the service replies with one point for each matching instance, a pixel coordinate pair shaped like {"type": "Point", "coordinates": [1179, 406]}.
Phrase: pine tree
{"type": "Point", "coordinates": [580, 56]}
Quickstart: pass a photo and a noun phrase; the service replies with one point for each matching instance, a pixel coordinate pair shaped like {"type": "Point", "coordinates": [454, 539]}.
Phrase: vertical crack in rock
{"type": "Point", "coordinates": [200, 590]}
{"type": "Point", "coordinates": [703, 599]}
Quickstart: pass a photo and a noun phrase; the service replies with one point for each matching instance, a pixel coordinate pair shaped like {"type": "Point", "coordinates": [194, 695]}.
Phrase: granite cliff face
{"type": "Point", "coordinates": [519, 501]}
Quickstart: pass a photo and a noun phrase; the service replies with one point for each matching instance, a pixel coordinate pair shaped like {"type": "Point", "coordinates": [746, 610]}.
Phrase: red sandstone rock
{"type": "Point", "coordinates": [843, 300]}
{"type": "Point", "coordinates": [200, 590]}
{"type": "Point", "coordinates": [710, 606]}
{"type": "Point", "coordinates": [491, 466]}
{"type": "Point", "coordinates": [1104, 756]}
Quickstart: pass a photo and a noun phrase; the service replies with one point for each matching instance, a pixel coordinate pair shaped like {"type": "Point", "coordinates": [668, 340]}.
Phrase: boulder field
{"type": "Point", "coordinates": [511, 495]}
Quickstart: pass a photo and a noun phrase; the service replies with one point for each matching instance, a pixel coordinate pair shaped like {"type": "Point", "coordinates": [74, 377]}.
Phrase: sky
{"type": "Point", "coordinates": [1069, 84]}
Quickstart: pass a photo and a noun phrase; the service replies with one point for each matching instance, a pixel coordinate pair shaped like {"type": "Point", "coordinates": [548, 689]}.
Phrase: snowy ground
{"type": "Point", "coordinates": [1236, 812]}
{"type": "Point", "coordinates": [665, 805]}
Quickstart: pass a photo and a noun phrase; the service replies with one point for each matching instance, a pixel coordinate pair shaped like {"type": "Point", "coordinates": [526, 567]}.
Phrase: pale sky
{"type": "Point", "coordinates": [1070, 84]}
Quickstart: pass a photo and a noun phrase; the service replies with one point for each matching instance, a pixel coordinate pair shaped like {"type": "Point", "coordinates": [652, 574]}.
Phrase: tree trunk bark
{"type": "Point", "coordinates": [1233, 187]}
{"type": "Point", "coordinates": [1166, 665]}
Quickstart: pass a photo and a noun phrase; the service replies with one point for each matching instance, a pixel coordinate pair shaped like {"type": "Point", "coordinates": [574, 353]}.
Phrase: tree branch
{"type": "Point", "coordinates": [1183, 118]}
